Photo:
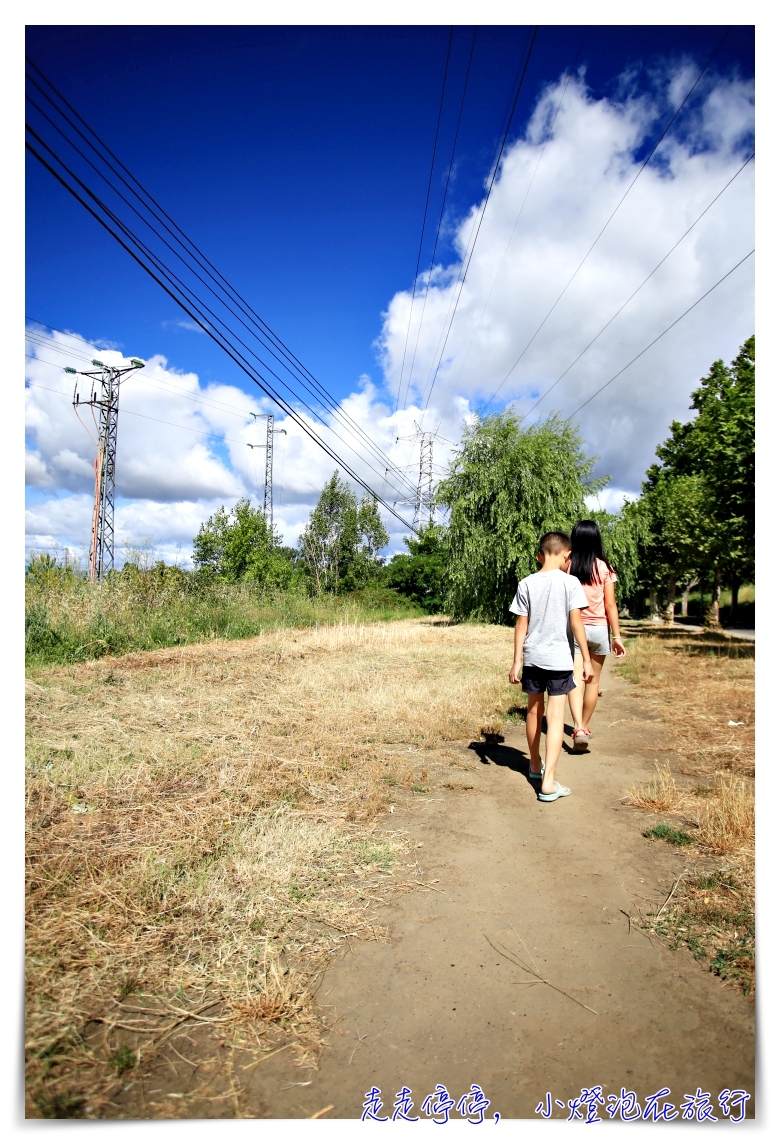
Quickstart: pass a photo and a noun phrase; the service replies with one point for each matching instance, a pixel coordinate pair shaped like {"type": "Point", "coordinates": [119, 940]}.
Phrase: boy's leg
{"type": "Point", "coordinates": [556, 707]}
{"type": "Point", "coordinates": [533, 729]}
{"type": "Point", "coordinates": [592, 690]}
{"type": "Point", "coordinates": [576, 697]}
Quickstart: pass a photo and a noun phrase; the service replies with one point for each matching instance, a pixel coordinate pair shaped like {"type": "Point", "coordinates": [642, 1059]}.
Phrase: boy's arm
{"type": "Point", "coordinates": [521, 628]}
{"type": "Point", "coordinates": [618, 647]}
{"type": "Point", "coordinates": [577, 626]}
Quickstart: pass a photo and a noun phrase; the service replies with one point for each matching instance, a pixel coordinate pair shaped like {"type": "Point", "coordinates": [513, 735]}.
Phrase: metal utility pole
{"type": "Point", "coordinates": [268, 490]}
{"type": "Point", "coordinates": [425, 497]}
{"type": "Point", "coordinates": [104, 397]}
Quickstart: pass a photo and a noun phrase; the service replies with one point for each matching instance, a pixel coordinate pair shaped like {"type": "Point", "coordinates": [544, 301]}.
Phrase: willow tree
{"type": "Point", "coordinates": [507, 486]}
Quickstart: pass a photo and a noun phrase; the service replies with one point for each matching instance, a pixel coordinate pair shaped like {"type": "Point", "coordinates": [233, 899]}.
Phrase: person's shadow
{"type": "Point", "coordinates": [494, 750]}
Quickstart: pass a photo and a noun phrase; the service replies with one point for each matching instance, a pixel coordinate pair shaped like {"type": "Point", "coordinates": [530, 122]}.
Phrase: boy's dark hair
{"type": "Point", "coordinates": [553, 543]}
{"type": "Point", "coordinates": [586, 549]}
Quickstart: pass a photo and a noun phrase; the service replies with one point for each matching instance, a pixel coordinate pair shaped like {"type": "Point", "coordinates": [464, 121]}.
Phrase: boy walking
{"type": "Point", "coordinates": [547, 606]}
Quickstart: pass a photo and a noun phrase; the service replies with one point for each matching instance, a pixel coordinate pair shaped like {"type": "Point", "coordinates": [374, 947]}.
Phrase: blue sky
{"type": "Point", "coordinates": [298, 159]}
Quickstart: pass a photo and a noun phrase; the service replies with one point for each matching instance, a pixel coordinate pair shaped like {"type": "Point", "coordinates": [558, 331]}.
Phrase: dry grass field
{"type": "Point", "coordinates": [701, 689]}
{"type": "Point", "coordinates": [207, 824]}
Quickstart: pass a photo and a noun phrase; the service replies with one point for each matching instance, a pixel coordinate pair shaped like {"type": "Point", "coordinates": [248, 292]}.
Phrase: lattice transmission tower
{"type": "Point", "coordinates": [268, 490]}
{"type": "Point", "coordinates": [104, 398]}
{"type": "Point", "coordinates": [424, 500]}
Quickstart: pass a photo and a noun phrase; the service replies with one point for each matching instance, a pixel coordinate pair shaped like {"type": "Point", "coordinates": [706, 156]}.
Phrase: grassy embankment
{"type": "Point", "coordinates": [69, 620]}
{"type": "Point", "coordinates": [703, 792]}
{"type": "Point", "coordinates": [207, 824]}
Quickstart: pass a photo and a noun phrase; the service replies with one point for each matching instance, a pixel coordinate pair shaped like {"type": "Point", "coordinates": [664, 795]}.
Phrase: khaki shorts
{"type": "Point", "coordinates": [598, 640]}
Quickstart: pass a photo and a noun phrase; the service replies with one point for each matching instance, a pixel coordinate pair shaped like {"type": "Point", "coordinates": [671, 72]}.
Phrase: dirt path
{"type": "Point", "coordinates": [438, 1004]}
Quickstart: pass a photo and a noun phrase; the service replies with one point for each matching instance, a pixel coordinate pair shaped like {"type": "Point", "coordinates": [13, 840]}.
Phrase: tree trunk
{"type": "Point", "coordinates": [654, 613]}
{"type": "Point", "coordinates": [671, 592]}
{"type": "Point", "coordinates": [734, 600]}
{"type": "Point", "coordinates": [686, 592]}
{"type": "Point", "coordinates": [712, 619]}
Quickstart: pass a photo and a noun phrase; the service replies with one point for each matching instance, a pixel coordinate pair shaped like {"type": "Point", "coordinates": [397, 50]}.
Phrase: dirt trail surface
{"type": "Point", "coordinates": [552, 885]}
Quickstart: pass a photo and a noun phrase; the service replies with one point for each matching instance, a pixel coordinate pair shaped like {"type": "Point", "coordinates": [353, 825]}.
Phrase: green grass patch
{"type": "Point", "coordinates": [123, 1059]}
{"type": "Point", "coordinates": [669, 834]}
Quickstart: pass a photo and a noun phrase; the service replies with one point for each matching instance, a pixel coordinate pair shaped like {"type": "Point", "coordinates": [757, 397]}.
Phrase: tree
{"type": "Point", "coordinates": [419, 574]}
{"type": "Point", "coordinates": [238, 545]}
{"type": "Point", "coordinates": [623, 533]}
{"type": "Point", "coordinates": [717, 448]}
{"type": "Point", "coordinates": [507, 486]}
{"type": "Point", "coordinates": [341, 542]}
{"type": "Point", "coordinates": [678, 511]}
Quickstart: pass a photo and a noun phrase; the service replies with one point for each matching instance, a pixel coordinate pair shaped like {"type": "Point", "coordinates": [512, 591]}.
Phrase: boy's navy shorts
{"type": "Point", "coordinates": [537, 680]}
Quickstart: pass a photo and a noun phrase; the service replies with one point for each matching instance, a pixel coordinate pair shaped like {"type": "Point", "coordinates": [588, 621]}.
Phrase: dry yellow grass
{"type": "Point", "coordinates": [207, 824]}
{"type": "Point", "coordinates": [697, 686]}
{"type": "Point", "coordinates": [659, 794]}
{"type": "Point", "coordinates": [727, 820]}
{"type": "Point", "coordinates": [701, 688]}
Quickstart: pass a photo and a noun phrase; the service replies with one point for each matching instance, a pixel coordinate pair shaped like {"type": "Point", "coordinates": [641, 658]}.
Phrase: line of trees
{"type": "Point", "coordinates": [692, 526]}
{"type": "Point", "coordinates": [338, 550]}
{"type": "Point", "coordinates": [699, 501]}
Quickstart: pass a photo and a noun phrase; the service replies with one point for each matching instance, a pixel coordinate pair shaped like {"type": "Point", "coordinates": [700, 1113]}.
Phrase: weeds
{"type": "Point", "coordinates": [710, 738]}
{"type": "Point", "coordinates": [69, 620]}
{"type": "Point", "coordinates": [669, 834]}
{"type": "Point", "coordinates": [233, 832]}
{"type": "Point", "coordinates": [123, 1059]}
{"type": "Point", "coordinates": [726, 822]}
{"type": "Point", "coordinates": [713, 916]}
{"type": "Point", "coordinates": [660, 794]}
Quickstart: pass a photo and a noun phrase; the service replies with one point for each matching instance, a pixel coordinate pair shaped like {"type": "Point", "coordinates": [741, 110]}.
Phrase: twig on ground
{"type": "Point", "coordinates": [322, 1111]}
{"type": "Point", "coordinates": [360, 1039]}
{"type": "Point", "coordinates": [542, 980]}
{"type": "Point", "coordinates": [669, 895]}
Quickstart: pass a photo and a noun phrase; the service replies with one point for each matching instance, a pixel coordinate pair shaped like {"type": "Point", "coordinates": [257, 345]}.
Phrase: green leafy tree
{"type": "Point", "coordinates": [680, 534]}
{"type": "Point", "coordinates": [341, 542]}
{"type": "Point", "coordinates": [507, 485]}
{"type": "Point", "coordinates": [420, 572]}
{"type": "Point", "coordinates": [716, 451]}
{"type": "Point", "coordinates": [623, 534]}
{"type": "Point", "coordinates": [239, 545]}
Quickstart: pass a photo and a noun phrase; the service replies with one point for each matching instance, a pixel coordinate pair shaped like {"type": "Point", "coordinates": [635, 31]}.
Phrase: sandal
{"type": "Point", "coordinates": [579, 739]}
{"type": "Point", "coordinates": [535, 774]}
{"type": "Point", "coordinates": [559, 792]}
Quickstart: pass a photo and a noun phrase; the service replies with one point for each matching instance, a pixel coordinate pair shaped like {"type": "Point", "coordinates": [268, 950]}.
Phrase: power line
{"type": "Point", "coordinates": [146, 416]}
{"type": "Point", "coordinates": [634, 294]}
{"type": "Point", "coordinates": [517, 221]}
{"type": "Point", "coordinates": [658, 338]}
{"type": "Point", "coordinates": [496, 166]}
{"type": "Point", "coordinates": [622, 199]}
{"type": "Point", "coordinates": [441, 213]}
{"type": "Point", "coordinates": [267, 338]}
{"type": "Point", "coordinates": [193, 311]}
{"type": "Point", "coordinates": [425, 216]}
{"type": "Point", "coordinates": [193, 298]}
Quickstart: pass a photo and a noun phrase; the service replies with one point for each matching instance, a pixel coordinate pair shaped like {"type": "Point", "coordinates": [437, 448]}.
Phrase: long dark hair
{"type": "Point", "coordinates": [586, 549]}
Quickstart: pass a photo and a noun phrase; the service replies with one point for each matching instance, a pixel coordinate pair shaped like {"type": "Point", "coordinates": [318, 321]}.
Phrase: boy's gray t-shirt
{"type": "Point", "coordinates": [547, 598]}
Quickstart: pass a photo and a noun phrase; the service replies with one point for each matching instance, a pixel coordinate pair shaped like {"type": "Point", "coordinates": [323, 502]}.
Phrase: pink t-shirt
{"type": "Point", "coordinates": [596, 613]}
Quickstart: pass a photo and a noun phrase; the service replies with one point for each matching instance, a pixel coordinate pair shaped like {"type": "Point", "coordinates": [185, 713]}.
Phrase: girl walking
{"type": "Point", "coordinates": [597, 577]}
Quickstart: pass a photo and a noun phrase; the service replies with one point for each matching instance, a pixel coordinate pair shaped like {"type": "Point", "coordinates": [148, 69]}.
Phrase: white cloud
{"type": "Point", "coordinates": [170, 476]}
{"type": "Point", "coordinates": [587, 166]}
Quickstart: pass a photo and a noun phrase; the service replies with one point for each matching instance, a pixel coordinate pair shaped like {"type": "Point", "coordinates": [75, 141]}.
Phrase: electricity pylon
{"type": "Point", "coordinates": [425, 496]}
{"type": "Point", "coordinates": [104, 396]}
{"type": "Point", "coordinates": [268, 491]}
